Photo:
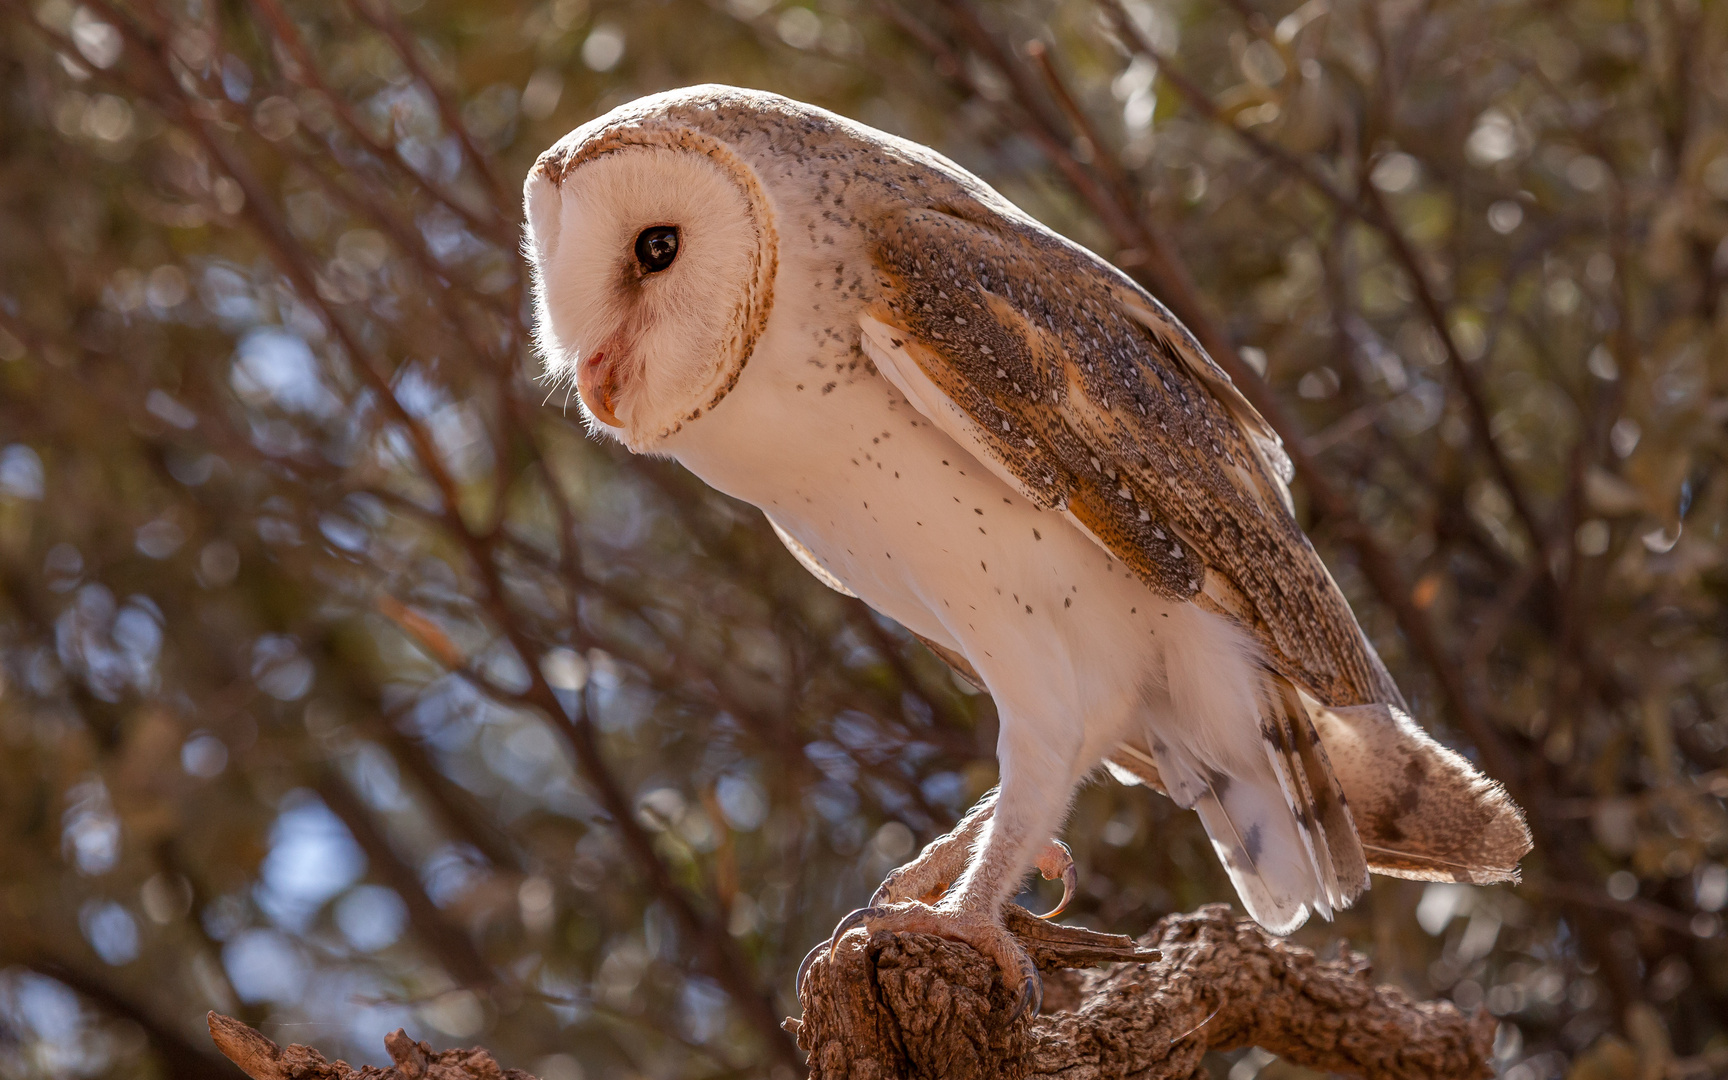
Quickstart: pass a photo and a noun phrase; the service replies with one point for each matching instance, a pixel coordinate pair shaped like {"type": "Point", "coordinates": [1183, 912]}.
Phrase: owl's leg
{"type": "Point", "coordinates": [945, 858]}
{"type": "Point", "coordinates": [941, 862]}
{"type": "Point", "coordinates": [1038, 774]}
{"type": "Point", "coordinates": [929, 876]}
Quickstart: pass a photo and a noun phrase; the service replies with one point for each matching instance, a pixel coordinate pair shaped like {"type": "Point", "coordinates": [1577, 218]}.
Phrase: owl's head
{"type": "Point", "coordinates": [654, 251]}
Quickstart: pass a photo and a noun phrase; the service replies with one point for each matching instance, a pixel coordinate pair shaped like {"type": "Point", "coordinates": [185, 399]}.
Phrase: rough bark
{"type": "Point", "coordinates": [262, 1059]}
{"type": "Point", "coordinates": [924, 1008]}
{"type": "Point", "coordinates": [915, 1006]}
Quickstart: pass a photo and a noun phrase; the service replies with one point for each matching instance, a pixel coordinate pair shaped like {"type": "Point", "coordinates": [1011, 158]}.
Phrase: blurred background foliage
{"type": "Point", "coordinates": [345, 684]}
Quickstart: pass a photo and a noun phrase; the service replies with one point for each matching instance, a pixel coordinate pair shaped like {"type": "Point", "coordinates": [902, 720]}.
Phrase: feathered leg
{"type": "Point", "coordinates": [945, 858]}
{"type": "Point", "coordinates": [1038, 775]}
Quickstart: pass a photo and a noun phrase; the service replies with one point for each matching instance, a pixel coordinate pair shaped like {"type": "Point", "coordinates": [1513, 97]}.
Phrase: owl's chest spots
{"type": "Point", "coordinates": [923, 532]}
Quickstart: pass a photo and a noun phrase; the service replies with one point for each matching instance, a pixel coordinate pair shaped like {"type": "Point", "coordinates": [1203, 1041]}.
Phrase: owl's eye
{"type": "Point", "coordinates": [656, 247]}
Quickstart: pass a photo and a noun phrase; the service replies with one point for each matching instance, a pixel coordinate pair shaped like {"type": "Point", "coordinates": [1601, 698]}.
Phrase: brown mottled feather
{"type": "Point", "coordinates": [1101, 404]}
{"type": "Point", "coordinates": [1322, 812]}
{"type": "Point", "coordinates": [1421, 810]}
{"type": "Point", "coordinates": [1088, 393]}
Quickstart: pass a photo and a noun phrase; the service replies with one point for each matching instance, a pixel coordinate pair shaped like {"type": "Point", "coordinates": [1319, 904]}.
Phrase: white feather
{"type": "Point", "coordinates": [678, 325]}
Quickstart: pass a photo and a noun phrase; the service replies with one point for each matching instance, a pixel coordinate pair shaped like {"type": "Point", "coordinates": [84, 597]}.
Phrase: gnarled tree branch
{"type": "Point", "coordinates": [262, 1059]}
{"type": "Point", "coordinates": [917, 1006]}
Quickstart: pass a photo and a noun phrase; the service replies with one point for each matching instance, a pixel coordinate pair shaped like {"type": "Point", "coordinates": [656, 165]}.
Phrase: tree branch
{"type": "Point", "coordinates": [913, 1005]}
{"type": "Point", "coordinates": [306, 72]}
{"type": "Point", "coordinates": [262, 1059]}
{"type": "Point", "coordinates": [1372, 211]}
{"type": "Point", "coordinates": [715, 948]}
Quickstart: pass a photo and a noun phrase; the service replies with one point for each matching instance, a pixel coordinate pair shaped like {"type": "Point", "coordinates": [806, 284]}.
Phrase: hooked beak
{"type": "Point", "coordinates": [597, 382]}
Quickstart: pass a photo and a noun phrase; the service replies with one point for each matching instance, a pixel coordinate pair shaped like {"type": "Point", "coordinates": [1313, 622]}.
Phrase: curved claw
{"type": "Point", "coordinates": [804, 967]}
{"type": "Point", "coordinates": [1058, 862]}
{"type": "Point", "coordinates": [1031, 991]}
{"type": "Point", "coordinates": [853, 919]}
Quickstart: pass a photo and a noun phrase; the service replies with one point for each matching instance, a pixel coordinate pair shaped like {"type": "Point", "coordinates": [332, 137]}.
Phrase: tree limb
{"type": "Point", "coordinates": [917, 1006]}
{"type": "Point", "coordinates": [262, 1059]}
{"type": "Point", "coordinates": [448, 941]}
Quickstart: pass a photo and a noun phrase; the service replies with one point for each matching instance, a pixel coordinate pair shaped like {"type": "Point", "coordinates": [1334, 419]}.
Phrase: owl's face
{"type": "Point", "coordinates": [654, 252]}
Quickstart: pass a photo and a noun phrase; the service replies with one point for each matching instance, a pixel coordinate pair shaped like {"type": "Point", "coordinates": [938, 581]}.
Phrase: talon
{"type": "Point", "coordinates": [804, 967]}
{"type": "Point", "coordinates": [851, 920]}
{"type": "Point", "coordinates": [854, 919]}
{"type": "Point", "coordinates": [1058, 861]}
{"type": "Point", "coordinates": [1031, 992]}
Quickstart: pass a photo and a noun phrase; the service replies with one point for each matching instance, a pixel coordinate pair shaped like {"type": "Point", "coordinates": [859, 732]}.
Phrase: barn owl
{"type": "Point", "coordinates": [996, 438]}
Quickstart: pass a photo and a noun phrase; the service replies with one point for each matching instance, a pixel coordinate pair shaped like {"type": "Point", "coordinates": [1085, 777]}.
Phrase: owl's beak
{"type": "Point", "coordinates": [597, 382]}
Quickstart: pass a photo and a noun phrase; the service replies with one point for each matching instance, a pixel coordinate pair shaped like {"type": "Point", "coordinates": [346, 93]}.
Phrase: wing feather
{"type": "Point", "coordinates": [1422, 811]}
{"type": "Point", "coordinates": [1267, 850]}
{"type": "Point", "coordinates": [1080, 390]}
{"type": "Point", "coordinates": [1323, 814]}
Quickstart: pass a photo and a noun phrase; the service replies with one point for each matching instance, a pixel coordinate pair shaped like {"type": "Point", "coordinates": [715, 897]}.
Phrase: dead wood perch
{"type": "Point", "coordinates": [915, 1006]}
{"type": "Point", "coordinates": [262, 1059]}
{"type": "Point", "coordinates": [923, 1008]}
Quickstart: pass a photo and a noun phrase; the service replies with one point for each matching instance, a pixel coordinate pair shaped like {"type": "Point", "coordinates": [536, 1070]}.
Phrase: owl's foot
{"type": "Point", "coordinates": [984, 933]}
{"type": "Point", "coordinates": [927, 877]}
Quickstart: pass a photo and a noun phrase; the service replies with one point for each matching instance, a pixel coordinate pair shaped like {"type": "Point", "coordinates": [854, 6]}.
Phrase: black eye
{"type": "Point", "coordinates": [656, 247]}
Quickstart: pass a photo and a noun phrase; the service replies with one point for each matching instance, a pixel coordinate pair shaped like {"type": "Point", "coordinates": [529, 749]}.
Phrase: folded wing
{"type": "Point", "coordinates": [1077, 388]}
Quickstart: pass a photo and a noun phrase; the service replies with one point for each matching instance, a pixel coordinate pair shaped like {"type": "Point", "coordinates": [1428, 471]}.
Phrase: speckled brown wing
{"type": "Point", "coordinates": [1088, 395]}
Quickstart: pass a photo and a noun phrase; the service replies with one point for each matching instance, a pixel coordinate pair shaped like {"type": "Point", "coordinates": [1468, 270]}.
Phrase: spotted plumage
{"type": "Point", "coordinates": [994, 437]}
{"type": "Point", "coordinates": [1097, 402]}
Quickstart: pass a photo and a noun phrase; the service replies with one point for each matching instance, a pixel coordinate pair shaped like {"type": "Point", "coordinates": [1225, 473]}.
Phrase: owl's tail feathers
{"type": "Point", "coordinates": [1341, 792]}
{"type": "Point", "coordinates": [1313, 796]}
{"type": "Point", "coordinates": [1280, 824]}
{"type": "Point", "coordinates": [1263, 852]}
{"type": "Point", "coordinates": [1422, 811]}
